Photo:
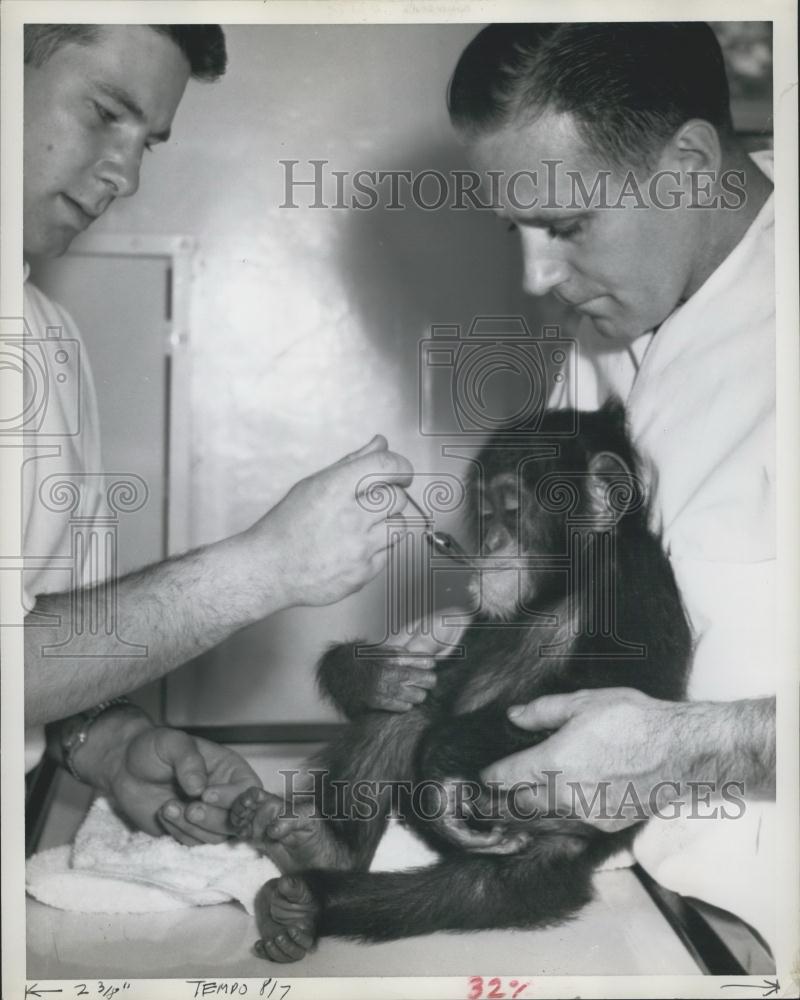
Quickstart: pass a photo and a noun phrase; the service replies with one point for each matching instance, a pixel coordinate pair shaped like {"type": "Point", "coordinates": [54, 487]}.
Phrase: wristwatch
{"type": "Point", "coordinates": [76, 735]}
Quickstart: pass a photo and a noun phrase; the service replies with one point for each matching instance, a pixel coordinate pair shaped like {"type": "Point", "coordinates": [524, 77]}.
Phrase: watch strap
{"type": "Point", "coordinates": [77, 737]}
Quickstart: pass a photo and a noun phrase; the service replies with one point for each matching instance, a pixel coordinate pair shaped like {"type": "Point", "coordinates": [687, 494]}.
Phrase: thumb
{"type": "Point", "coordinates": [179, 752]}
{"type": "Point", "coordinates": [521, 768]}
{"type": "Point", "coordinates": [378, 443]}
{"type": "Point", "coordinates": [550, 711]}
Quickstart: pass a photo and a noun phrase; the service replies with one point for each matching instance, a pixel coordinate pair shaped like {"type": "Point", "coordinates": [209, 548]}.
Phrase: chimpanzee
{"type": "Point", "coordinates": [575, 592]}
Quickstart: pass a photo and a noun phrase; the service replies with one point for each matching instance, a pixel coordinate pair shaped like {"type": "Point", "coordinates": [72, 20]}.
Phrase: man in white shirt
{"type": "Point", "coordinates": [641, 211]}
{"type": "Point", "coordinates": [97, 97]}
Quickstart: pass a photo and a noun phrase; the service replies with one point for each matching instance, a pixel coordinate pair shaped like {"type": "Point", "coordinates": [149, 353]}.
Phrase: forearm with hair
{"type": "Point", "coordinates": [176, 609]}
{"type": "Point", "coordinates": [729, 742]}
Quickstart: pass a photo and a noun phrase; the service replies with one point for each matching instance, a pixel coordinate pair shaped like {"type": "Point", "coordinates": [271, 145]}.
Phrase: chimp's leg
{"type": "Point", "coordinates": [543, 886]}
{"type": "Point", "coordinates": [368, 771]}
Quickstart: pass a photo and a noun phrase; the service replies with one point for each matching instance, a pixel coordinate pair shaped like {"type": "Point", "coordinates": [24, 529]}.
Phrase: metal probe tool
{"type": "Point", "coordinates": [440, 541]}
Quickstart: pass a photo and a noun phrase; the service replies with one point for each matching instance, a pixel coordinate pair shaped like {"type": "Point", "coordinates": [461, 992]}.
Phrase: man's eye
{"type": "Point", "coordinates": [512, 227]}
{"type": "Point", "coordinates": [564, 232]}
{"type": "Point", "coordinates": [105, 116]}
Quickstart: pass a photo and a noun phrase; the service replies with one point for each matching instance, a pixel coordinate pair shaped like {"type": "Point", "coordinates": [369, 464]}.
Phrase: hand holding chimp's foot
{"type": "Point", "coordinates": [292, 835]}
{"type": "Point", "coordinates": [286, 914]}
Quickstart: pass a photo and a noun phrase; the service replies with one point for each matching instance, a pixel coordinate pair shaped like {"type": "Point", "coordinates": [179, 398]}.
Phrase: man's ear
{"type": "Point", "coordinates": [695, 147]}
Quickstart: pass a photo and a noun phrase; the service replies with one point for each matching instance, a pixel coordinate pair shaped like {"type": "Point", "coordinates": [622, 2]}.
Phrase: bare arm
{"type": "Point", "coordinates": [733, 741]}
{"type": "Point", "coordinates": [315, 547]}
{"type": "Point", "coordinates": [176, 610]}
{"type": "Point", "coordinates": [630, 745]}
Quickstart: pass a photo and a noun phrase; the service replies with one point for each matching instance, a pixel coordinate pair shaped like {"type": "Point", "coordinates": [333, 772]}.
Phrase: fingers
{"type": "Point", "coordinates": [398, 703]}
{"type": "Point", "coordinates": [548, 712]}
{"type": "Point", "coordinates": [509, 844]}
{"type": "Point", "coordinates": [178, 751]}
{"type": "Point", "coordinates": [375, 444]}
{"type": "Point", "coordinates": [225, 794]}
{"type": "Point", "coordinates": [417, 670]}
{"type": "Point", "coordinates": [552, 711]}
{"type": "Point", "coordinates": [210, 824]}
{"type": "Point", "coordinates": [237, 800]}
{"type": "Point", "coordinates": [173, 822]}
{"type": "Point", "coordinates": [457, 832]}
{"type": "Point", "coordinates": [387, 704]}
{"type": "Point", "coordinates": [194, 823]}
{"type": "Point", "coordinates": [228, 774]}
{"type": "Point", "coordinates": [377, 459]}
{"type": "Point", "coordinates": [294, 898]}
{"type": "Point", "coordinates": [289, 946]}
{"type": "Point", "coordinates": [381, 465]}
{"type": "Point", "coordinates": [387, 529]}
{"type": "Point", "coordinates": [399, 685]}
{"type": "Point", "coordinates": [410, 696]}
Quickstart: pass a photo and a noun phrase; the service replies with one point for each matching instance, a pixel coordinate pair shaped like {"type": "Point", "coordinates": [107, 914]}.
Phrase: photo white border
{"type": "Point", "coordinates": [13, 13]}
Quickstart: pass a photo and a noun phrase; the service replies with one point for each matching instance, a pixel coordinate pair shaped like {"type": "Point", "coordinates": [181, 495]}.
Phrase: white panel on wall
{"type": "Point", "coordinates": [128, 296]}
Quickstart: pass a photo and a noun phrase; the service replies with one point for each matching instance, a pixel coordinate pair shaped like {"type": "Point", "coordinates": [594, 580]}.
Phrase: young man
{"type": "Point", "coordinates": [642, 212]}
{"type": "Point", "coordinates": [96, 98]}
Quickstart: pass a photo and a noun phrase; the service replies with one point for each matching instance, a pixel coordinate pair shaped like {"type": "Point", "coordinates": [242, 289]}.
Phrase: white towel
{"type": "Point", "coordinates": [110, 869]}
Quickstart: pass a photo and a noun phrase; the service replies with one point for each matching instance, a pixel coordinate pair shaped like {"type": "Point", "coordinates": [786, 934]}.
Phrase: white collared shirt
{"type": "Point", "coordinates": [700, 399]}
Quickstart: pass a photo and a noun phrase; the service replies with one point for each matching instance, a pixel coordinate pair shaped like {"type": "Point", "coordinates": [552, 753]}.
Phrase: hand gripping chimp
{"type": "Point", "coordinates": [575, 592]}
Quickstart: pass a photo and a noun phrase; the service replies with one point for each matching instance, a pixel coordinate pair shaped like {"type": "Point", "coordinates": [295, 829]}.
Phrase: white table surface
{"type": "Point", "coordinates": [621, 932]}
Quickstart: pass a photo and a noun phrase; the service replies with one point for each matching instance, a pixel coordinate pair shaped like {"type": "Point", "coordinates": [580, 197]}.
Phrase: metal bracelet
{"type": "Point", "coordinates": [76, 739]}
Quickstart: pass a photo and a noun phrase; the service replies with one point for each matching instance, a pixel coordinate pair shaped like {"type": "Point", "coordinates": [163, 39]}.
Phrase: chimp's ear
{"type": "Point", "coordinates": [606, 468]}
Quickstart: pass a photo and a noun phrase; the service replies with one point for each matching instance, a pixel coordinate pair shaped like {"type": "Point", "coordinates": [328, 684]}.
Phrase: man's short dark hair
{"type": "Point", "coordinates": [628, 86]}
{"type": "Point", "coordinates": [202, 44]}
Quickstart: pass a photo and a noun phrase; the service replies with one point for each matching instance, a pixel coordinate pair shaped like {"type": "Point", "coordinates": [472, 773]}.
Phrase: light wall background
{"type": "Point", "coordinates": [305, 323]}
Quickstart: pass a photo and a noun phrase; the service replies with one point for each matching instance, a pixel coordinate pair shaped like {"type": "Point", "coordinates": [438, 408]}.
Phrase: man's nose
{"type": "Point", "coordinates": [545, 268]}
{"type": "Point", "coordinates": [119, 168]}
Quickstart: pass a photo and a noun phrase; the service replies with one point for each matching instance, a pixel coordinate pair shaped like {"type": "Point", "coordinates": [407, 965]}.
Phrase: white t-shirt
{"type": "Point", "coordinates": [700, 400]}
{"type": "Point", "coordinates": [60, 390]}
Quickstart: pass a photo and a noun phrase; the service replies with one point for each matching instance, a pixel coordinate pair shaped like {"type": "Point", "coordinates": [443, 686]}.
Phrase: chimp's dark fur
{"type": "Point", "coordinates": [462, 726]}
